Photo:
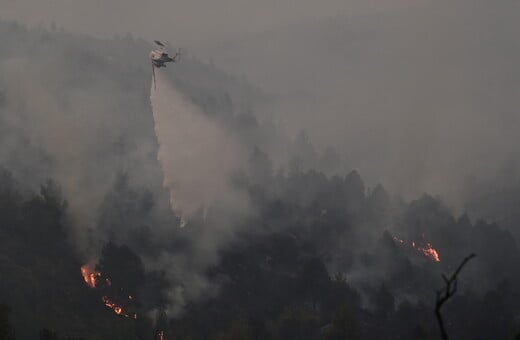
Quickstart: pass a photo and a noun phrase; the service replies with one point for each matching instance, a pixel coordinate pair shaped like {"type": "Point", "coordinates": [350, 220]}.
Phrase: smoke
{"type": "Point", "coordinates": [80, 128]}
{"type": "Point", "coordinates": [183, 21]}
{"type": "Point", "coordinates": [418, 95]}
{"type": "Point", "coordinates": [418, 98]}
{"type": "Point", "coordinates": [90, 127]}
{"type": "Point", "coordinates": [60, 131]}
{"type": "Point", "coordinates": [78, 117]}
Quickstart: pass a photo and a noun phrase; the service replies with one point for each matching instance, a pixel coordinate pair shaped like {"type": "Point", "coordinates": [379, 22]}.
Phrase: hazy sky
{"type": "Point", "coordinates": [185, 21]}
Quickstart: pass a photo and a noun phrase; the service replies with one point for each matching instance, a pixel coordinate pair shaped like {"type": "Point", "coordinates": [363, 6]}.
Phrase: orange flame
{"type": "Point", "coordinates": [90, 275]}
{"type": "Point", "coordinates": [430, 252]}
{"type": "Point", "coordinates": [427, 250]}
{"type": "Point", "coordinates": [117, 309]}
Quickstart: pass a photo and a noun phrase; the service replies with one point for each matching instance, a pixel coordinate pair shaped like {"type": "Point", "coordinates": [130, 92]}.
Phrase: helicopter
{"type": "Point", "coordinates": [160, 56]}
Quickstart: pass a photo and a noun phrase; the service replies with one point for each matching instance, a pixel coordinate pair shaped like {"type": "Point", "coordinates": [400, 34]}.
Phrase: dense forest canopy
{"type": "Point", "coordinates": [90, 249]}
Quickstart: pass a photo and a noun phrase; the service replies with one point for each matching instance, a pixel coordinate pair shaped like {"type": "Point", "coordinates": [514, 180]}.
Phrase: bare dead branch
{"type": "Point", "coordinates": [443, 295]}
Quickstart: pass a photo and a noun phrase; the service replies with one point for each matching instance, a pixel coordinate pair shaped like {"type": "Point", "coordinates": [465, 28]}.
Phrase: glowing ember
{"type": "Point", "coordinates": [426, 250]}
{"type": "Point", "coordinates": [398, 240]}
{"type": "Point", "coordinates": [111, 305]}
{"type": "Point", "coordinates": [90, 275]}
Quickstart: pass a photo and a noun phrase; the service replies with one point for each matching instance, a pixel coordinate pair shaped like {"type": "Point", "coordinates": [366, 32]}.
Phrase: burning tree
{"type": "Point", "coordinates": [118, 277]}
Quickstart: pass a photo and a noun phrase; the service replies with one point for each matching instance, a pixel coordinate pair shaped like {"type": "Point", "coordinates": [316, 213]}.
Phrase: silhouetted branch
{"type": "Point", "coordinates": [447, 292]}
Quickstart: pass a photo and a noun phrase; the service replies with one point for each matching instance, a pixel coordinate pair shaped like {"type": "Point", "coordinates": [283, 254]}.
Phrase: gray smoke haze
{"type": "Point", "coordinates": [185, 21]}
{"type": "Point", "coordinates": [418, 98]}
{"type": "Point", "coordinates": [418, 95]}
{"type": "Point", "coordinates": [80, 130]}
{"type": "Point", "coordinates": [80, 117]}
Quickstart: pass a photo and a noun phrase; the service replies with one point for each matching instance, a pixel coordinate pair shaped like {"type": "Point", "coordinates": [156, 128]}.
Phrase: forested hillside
{"type": "Point", "coordinates": [90, 249]}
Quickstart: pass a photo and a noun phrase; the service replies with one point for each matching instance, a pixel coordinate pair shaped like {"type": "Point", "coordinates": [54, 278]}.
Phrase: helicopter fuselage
{"type": "Point", "coordinates": [160, 58]}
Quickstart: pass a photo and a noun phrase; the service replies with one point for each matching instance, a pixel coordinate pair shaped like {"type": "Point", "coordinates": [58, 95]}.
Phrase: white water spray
{"type": "Point", "coordinates": [197, 154]}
